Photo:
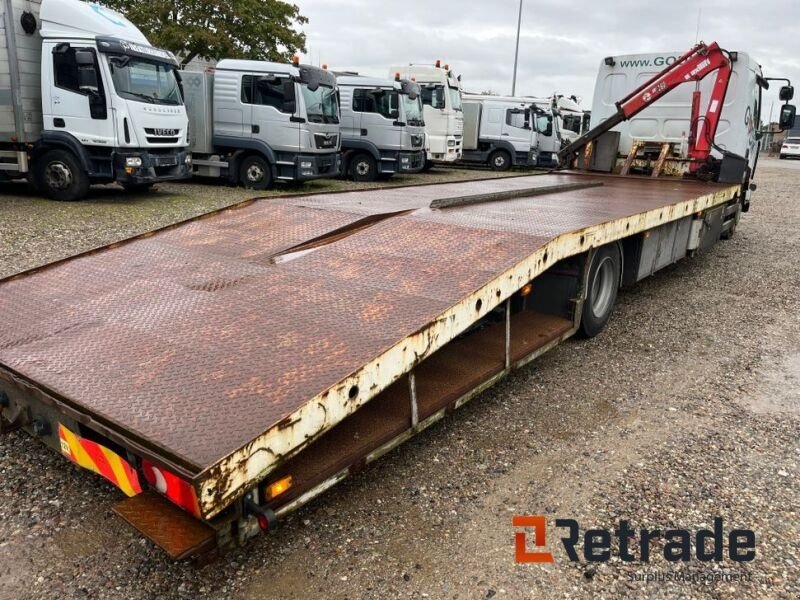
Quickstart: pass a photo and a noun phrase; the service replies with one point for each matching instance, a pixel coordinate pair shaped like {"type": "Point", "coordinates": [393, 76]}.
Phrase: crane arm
{"type": "Point", "coordinates": [695, 65]}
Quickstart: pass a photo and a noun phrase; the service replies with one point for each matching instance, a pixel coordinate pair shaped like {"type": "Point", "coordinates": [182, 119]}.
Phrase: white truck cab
{"type": "Point", "coordinates": [383, 131]}
{"type": "Point", "coordinates": [257, 122]}
{"type": "Point", "coordinates": [442, 111]}
{"type": "Point", "coordinates": [90, 101]}
{"type": "Point", "coordinates": [500, 131]}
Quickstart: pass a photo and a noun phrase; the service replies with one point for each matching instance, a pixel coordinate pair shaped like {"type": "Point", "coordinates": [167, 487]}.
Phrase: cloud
{"type": "Point", "coordinates": [561, 43]}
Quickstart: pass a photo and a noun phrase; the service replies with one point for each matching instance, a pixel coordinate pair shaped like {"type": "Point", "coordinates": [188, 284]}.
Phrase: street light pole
{"type": "Point", "coordinates": [516, 51]}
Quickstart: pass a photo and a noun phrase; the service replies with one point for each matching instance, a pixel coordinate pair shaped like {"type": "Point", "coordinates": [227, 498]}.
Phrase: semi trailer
{"type": "Point", "coordinates": [255, 122]}
{"type": "Point", "coordinates": [500, 131]}
{"type": "Point", "coordinates": [442, 111]}
{"type": "Point", "coordinates": [383, 131]}
{"type": "Point", "coordinates": [224, 371]}
{"type": "Point", "coordinates": [84, 98]}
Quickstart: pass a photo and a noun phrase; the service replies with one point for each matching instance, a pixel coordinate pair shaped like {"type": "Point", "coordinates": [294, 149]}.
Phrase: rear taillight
{"type": "Point", "coordinates": [173, 487]}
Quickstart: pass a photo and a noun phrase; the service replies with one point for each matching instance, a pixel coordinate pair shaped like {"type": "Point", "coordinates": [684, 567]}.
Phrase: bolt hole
{"type": "Point", "coordinates": [353, 392]}
{"type": "Point", "coordinates": [627, 226]}
{"type": "Point", "coordinates": [544, 258]}
{"type": "Point", "coordinates": [583, 240]}
{"type": "Point", "coordinates": [498, 293]}
{"type": "Point", "coordinates": [478, 304]}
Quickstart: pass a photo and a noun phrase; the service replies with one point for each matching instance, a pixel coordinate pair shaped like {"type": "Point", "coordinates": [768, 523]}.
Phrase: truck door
{"type": "Point", "coordinates": [75, 99]}
{"type": "Point", "coordinates": [273, 102]}
{"type": "Point", "coordinates": [548, 141]}
{"type": "Point", "coordinates": [517, 129]}
{"type": "Point", "coordinates": [379, 109]}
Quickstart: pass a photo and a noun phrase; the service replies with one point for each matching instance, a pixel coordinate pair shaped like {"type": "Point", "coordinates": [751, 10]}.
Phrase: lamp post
{"type": "Point", "coordinates": [516, 51]}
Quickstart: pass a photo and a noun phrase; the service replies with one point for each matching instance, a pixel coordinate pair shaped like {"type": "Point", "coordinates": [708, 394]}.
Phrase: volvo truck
{"type": "Point", "coordinates": [255, 122]}
{"type": "Point", "coordinates": [383, 131]}
{"type": "Point", "coordinates": [442, 112]}
{"type": "Point", "coordinates": [269, 350]}
{"type": "Point", "coordinates": [84, 98]}
{"type": "Point", "coordinates": [500, 131]}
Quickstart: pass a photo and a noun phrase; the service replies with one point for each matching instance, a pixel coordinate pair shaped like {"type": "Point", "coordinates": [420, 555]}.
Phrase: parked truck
{"type": "Point", "coordinates": [84, 98]}
{"type": "Point", "coordinates": [500, 131]}
{"type": "Point", "coordinates": [225, 371]}
{"type": "Point", "coordinates": [255, 122]}
{"type": "Point", "coordinates": [383, 131]}
{"type": "Point", "coordinates": [442, 112]}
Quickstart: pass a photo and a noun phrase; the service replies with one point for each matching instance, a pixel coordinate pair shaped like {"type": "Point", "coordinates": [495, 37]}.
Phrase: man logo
{"type": "Point", "coordinates": [540, 538]}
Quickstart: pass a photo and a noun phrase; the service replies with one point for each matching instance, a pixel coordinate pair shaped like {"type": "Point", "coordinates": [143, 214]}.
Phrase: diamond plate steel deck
{"type": "Point", "coordinates": [194, 343]}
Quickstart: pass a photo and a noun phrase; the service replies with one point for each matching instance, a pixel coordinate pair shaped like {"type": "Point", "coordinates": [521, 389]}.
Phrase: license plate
{"type": "Point", "coordinates": [165, 161]}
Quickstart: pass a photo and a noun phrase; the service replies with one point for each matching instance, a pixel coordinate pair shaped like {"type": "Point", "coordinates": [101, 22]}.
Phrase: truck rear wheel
{"type": "Point", "coordinates": [500, 160]}
{"type": "Point", "coordinates": [255, 173]}
{"type": "Point", "coordinates": [601, 292]}
{"type": "Point", "coordinates": [363, 167]}
{"type": "Point", "coordinates": [59, 176]}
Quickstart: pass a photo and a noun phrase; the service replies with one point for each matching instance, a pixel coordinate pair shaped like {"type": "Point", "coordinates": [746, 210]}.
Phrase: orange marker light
{"type": "Point", "coordinates": [526, 289]}
{"type": "Point", "coordinates": [397, 76]}
{"type": "Point", "coordinates": [446, 67]}
{"type": "Point", "coordinates": [438, 63]}
{"type": "Point", "coordinates": [296, 60]}
{"type": "Point", "coordinates": [277, 488]}
{"type": "Point", "coordinates": [325, 66]}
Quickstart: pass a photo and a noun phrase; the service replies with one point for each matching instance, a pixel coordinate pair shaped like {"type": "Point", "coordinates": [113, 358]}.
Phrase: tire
{"type": "Point", "coordinates": [59, 175]}
{"type": "Point", "coordinates": [782, 157]}
{"type": "Point", "coordinates": [601, 292]}
{"type": "Point", "coordinates": [500, 160]}
{"type": "Point", "coordinates": [427, 166]}
{"type": "Point", "coordinates": [363, 167]}
{"type": "Point", "coordinates": [255, 173]}
{"type": "Point", "coordinates": [136, 188]}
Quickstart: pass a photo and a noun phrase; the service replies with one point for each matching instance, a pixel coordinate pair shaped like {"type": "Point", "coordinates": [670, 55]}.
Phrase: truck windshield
{"type": "Point", "coordinates": [321, 105]}
{"type": "Point", "coordinates": [412, 109]}
{"type": "Point", "coordinates": [455, 97]}
{"type": "Point", "coordinates": [145, 81]}
{"type": "Point", "coordinates": [433, 95]}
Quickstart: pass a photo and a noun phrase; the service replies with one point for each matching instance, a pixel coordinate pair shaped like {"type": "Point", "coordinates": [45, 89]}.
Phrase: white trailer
{"type": "Point", "coordinates": [383, 131]}
{"type": "Point", "coordinates": [442, 111]}
{"type": "Point", "coordinates": [257, 122]}
{"type": "Point", "coordinates": [499, 131]}
{"type": "Point", "coordinates": [85, 99]}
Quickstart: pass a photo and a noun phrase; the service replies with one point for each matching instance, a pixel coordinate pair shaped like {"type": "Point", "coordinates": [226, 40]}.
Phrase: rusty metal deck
{"type": "Point", "coordinates": [220, 348]}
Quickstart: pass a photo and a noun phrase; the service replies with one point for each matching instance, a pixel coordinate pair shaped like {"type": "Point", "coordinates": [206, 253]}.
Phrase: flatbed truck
{"type": "Point", "coordinates": [226, 370]}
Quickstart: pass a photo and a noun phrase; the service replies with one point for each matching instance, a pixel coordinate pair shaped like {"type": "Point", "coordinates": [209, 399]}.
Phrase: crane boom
{"type": "Point", "coordinates": [695, 65]}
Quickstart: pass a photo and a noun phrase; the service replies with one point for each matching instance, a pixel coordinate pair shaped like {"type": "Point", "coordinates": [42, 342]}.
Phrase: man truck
{"type": "Point", "coordinates": [383, 131]}
{"type": "Point", "coordinates": [254, 122]}
{"type": "Point", "coordinates": [442, 113]}
{"type": "Point", "coordinates": [500, 131]}
{"type": "Point", "coordinates": [84, 98]}
{"type": "Point", "coordinates": [225, 371]}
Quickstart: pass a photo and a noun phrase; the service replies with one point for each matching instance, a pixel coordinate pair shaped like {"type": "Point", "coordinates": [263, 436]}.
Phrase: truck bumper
{"type": "Point", "coordinates": [410, 162]}
{"type": "Point", "coordinates": [144, 166]}
{"type": "Point", "coordinates": [312, 166]}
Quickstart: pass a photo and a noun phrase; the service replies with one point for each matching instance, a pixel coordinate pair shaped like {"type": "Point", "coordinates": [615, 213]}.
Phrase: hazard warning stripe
{"type": "Point", "coordinates": [99, 459]}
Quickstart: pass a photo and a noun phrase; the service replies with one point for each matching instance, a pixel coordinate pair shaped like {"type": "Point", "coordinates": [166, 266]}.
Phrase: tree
{"type": "Point", "coordinates": [215, 29]}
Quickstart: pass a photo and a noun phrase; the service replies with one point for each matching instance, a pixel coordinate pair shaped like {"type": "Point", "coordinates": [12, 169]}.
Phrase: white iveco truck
{"type": "Point", "coordinates": [383, 131]}
{"type": "Point", "coordinates": [85, 99]}
{"type": "Point", "coordinates": [441, 100]}
{"type": "Point", "coordinates": [256, 122]}
{"type": "Point", "coordinates": [500, 131]}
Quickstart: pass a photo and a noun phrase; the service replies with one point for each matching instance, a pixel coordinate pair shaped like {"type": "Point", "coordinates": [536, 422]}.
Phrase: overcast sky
{"type": "Point", "coordinates": [561, 44]}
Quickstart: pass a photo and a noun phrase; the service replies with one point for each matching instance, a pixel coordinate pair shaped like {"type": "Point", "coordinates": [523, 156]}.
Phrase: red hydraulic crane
{"type": "Point", "coordinates": [695, 65]}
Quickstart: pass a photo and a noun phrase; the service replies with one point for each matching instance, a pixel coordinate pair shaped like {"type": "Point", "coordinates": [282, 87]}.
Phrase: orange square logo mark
{"type": "Point", "coordinates": [521, 553]}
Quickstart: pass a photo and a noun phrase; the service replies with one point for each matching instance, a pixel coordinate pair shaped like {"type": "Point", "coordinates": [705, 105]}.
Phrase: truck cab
{"type": "Point", "coordinates": [383, 131]}
{"type": "Point", "coordinates": [500, 131]}
{"type": "Point", "coordinates": [98, 105]}
{"type": "Point", "coordinates": [257, 122]}
{"type": "Point", "coordinates": [442, 110]}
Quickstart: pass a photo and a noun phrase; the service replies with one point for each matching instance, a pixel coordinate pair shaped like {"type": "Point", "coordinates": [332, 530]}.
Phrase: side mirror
{"type": "Point", "coordinates": [788, 112]}
{"type": "Point", "coordinates": [786, 93]}
{"type": "Point", "coordinates": [84, 58]}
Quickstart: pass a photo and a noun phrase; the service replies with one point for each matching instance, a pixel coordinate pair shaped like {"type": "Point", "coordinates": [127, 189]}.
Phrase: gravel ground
{"type": "Point", "coordinates": [686, 408]}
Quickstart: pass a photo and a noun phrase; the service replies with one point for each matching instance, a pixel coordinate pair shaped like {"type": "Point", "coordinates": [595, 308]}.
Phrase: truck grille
{"type": "Point", "coordinates": [416, 141]}
{"type": "Point", "coordinates": [162, 136]}
{"type": "Point", "coordinates": [326, 140]}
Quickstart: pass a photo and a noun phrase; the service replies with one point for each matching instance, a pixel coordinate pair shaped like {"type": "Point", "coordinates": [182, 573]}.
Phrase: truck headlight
{"type": "Point", "coordinates": [404, 160]}
{"type": "Point", "coordinates": [133, 161]}
{"type": "Point", "coordinates": [306, 164]}
{"type": "Point", "coordinates": [188, 160]}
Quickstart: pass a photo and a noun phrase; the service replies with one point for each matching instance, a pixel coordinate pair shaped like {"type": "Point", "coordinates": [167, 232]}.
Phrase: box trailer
{"type": "Point", "coordinates": [226, 370]}
{"type": "Point", "coordinates": [84, 98]}
{"type": "Point", "coordinates": [255, 122]}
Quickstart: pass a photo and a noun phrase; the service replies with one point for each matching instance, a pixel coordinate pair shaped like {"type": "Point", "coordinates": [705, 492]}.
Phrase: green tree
{"type": "Point", "coordinates": [215, 29]}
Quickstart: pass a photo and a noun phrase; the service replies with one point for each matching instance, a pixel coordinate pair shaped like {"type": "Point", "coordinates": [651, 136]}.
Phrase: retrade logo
{"type": "Point", "coordinates": [629, 544]}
